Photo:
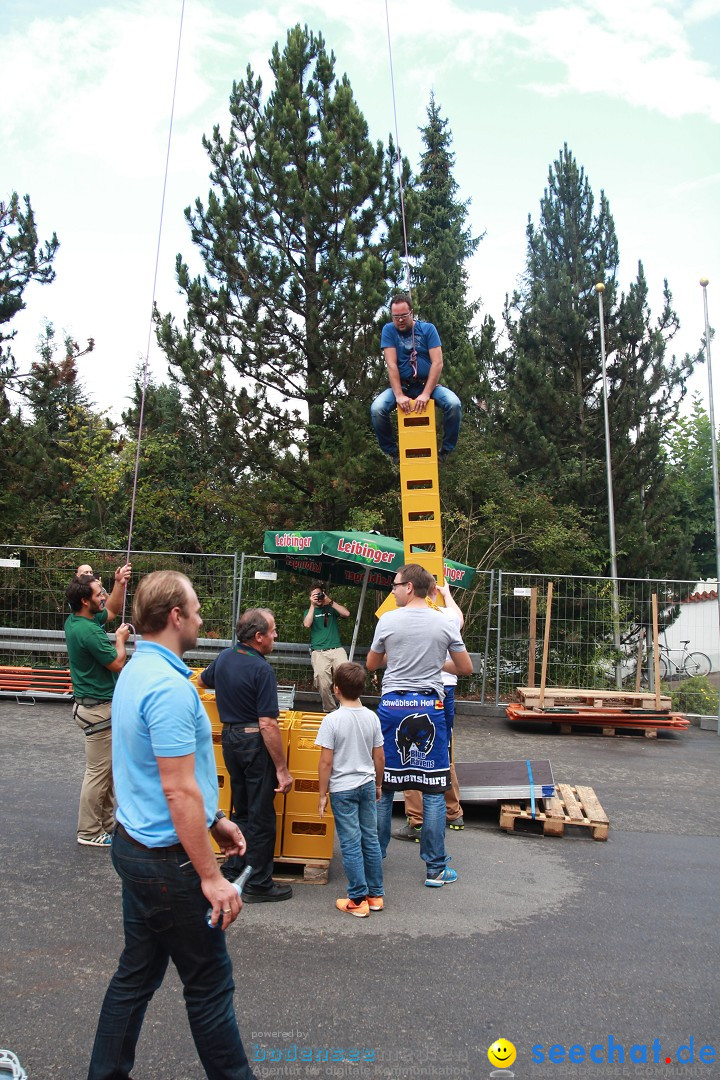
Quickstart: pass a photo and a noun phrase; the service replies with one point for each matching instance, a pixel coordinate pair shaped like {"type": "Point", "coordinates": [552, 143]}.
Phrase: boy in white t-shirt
{"type": "Point", "coordinates": [352, 760]}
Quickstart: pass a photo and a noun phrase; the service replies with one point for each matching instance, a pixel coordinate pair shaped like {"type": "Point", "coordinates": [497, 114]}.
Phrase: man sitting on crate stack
{"type": "Point", "coordinates": [246, 695]}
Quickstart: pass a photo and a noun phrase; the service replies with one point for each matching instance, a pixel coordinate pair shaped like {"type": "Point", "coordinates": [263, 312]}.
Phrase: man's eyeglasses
{"type": "Point", "coordinates": [395, 584]}
{"type": "Point", "coordinates": [402, 315]}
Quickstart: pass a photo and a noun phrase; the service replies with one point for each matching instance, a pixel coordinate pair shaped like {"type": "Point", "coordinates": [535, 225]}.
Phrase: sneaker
{"type": "Point", "coordinates": [457, 823]}
{"type": "Point", "coordinates": [445, 877]}
{"type": "Point", "coordinates": [375, 903]}
{"type": "Point", "coordinates": [360, 910]}
{"type": "Point", "coordinates": [104, 840]}
{"type": "Point", "coordinates": [409, 832]}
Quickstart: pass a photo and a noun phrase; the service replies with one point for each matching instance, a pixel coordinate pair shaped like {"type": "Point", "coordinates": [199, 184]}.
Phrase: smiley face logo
{"type": "Point", "coordinates": [501, 1054]}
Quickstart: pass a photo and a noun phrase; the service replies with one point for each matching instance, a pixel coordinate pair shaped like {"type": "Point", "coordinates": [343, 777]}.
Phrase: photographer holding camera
{"type": "Point", "coordinates": [326, 652]}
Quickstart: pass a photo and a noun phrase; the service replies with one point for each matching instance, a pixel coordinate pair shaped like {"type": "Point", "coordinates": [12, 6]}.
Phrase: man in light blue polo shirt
{"type": "Point", "coordinates": [166, 787]}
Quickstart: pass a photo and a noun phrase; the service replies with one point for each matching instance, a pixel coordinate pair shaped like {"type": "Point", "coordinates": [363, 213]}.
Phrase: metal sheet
{"type": "Point", "coordinates": [491, 781]}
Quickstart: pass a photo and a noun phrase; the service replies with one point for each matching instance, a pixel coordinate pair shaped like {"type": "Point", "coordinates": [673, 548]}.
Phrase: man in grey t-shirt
{"type": "Point", "coordinates": [413, 643]}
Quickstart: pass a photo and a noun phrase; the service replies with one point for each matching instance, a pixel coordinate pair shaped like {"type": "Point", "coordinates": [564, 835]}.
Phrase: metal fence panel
{"type": "Point", "coordinates": [504, 617]}
{"type": "Point", "coordinates": [32, 594]}
{"type": "Point", "coordinates": [582, 650]}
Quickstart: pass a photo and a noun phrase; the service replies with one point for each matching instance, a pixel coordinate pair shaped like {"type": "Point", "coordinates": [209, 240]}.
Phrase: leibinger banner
{"type": "Point", "coordinates": [416, 743]}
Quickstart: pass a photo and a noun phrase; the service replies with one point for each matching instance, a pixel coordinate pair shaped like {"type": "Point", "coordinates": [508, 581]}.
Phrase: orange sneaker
{"type": "Point", "coordinates": [360, 910]}
{"type": "Point", "coordinates": [375, 903]}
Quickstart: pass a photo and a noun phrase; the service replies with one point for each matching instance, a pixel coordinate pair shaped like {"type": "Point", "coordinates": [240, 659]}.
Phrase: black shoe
{"type": "Point", "coordinates": [266, 896]}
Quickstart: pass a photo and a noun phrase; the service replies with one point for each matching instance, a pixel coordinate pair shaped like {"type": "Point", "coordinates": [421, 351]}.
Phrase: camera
{"type": "Point", "coordinates": [321, 594]}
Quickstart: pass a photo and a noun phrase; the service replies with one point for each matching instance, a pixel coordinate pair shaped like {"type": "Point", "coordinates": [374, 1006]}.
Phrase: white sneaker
{"type": "Point", "coordinates": [104, 840]}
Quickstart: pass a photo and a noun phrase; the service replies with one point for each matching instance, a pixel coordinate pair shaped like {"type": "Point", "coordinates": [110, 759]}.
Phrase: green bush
{"type": "Point", "coordinates": [696, 695]}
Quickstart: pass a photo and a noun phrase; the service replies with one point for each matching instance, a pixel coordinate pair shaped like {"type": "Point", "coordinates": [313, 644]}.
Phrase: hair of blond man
{"type": "Point", "coordinates": [420, 578]}
{"type": "Point", "coordinates": [156, 596]}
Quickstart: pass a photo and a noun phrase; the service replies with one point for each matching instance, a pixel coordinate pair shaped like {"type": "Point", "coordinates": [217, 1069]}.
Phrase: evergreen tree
{"type": "Point", "coordinates": [279, 353]}
{"type": "Point", "coordinates": [549, 412]}
{"type": "Point", "coordinates": [41, 478]}
{"type": "Point", "coordinates": [443, 243]}
{"type": "Point", "coordinates": [23, 258]}
{"type": "Point", "coordinates": [690, 481]}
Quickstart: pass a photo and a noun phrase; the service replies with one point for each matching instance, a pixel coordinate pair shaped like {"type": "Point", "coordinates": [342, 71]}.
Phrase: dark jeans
{"type": "Point", "coordinates": [253, 780]}
{"type": "Point", "coordinates": [164, 917]}
{"type": "Point", "coordinates": [384, 405]}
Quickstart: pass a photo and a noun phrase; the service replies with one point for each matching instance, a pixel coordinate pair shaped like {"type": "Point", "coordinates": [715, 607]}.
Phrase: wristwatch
{"type": "Point", "coordinates": [218, 817]}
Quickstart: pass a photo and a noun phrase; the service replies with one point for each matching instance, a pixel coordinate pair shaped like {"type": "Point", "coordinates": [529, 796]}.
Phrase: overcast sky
{"type": "Point", "coordinates": [633, 87]}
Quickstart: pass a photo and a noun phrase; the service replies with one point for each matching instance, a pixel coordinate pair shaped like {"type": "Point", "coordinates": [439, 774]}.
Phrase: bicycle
{"type": "Point", "coordinates": [690, 663]}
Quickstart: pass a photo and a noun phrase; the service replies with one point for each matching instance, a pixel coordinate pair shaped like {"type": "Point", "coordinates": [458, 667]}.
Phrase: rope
{"type": "Point", "coordinates": [399, 155]}
{"type": "Point", "coordinates": [152, 309]}
{"type": "Point", "coordinates": [399, 168]}
{"type": "Point", "coordinates": [532, 787]}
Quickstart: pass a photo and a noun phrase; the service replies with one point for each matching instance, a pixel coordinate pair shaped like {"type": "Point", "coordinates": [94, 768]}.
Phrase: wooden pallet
{"type": "Point", "coordinates": [607, 730]}
{"type": "Point", "coordinates": [308, 871]}
{"type": "Point", "coordinates": [569, 806]}
{"type": "Point", "coordinates": [597, 699]}
{"type": "Point", "coordinates": [610, 721]}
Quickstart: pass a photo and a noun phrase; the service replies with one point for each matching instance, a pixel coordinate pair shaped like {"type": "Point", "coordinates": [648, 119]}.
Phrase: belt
{"type": "Point", "coordinates": [425, 693]}
{"type": "Point", "coordinates": [91, 701]}
{"type": "Point", "coordinates": [237, 724]}
{"type": "Point", "coordinates": [131, 839]}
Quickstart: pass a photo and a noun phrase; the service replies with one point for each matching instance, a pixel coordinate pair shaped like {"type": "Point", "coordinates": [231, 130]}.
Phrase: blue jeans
{"type": "Point", "coordinates": [164, 918]}
{"type": "Point", "coordinates": [357, 828]}
{"type": "Point", "coordinates": [449, 708]}
{"type": "Point", "coordinates": [432, 837]}
{"type": "Point", "coordinates": [384, 405]}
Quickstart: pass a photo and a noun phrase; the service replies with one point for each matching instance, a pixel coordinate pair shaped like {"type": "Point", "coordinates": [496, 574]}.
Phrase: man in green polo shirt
{"type": "Point", "coordinates": [94, 667]}
{"type": "Point", "coordinates": [327, 652]}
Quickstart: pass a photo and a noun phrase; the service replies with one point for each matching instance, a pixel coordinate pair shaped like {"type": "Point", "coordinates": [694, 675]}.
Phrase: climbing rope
{"type": "Point", "coordinates": [152, 308]}
{"type": "Point", "coordinates": [399, 154]}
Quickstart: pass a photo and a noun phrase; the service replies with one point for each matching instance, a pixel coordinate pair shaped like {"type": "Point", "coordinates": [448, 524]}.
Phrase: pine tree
{"type": "Point", "coordinates": [691, 510]}
{"type": "Point", "coordinates": [279, 355]}
{"type": "Point", "coordinates": [442, 246]}
{"type": "Point", "coordinates": [23, 258]}
{"type": "Point", "coordinates": [549, 411]}
{"type": "Point", "coordinates": [55, 410]}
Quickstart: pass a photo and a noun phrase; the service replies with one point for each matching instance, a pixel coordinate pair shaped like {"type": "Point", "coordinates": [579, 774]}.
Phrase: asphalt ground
{"type": "Point", "coordinates": [547, 942]}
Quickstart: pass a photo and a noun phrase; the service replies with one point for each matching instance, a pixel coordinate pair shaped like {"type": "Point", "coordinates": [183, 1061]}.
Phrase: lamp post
{"type": "Point", "coordinates": [600, 289]}
{"type": "Point", "coordinates": [713, 442]}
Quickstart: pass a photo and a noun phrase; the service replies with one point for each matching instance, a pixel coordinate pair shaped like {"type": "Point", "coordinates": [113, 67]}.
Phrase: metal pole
{"type": "Point", "coordinates": [713, 442]}
{"type": "Point", "coordinates": [499, 628]}
{"type": "Point", "coordinates": [239, 592]}
{"type": "Point", "coordinates": [358, 616]}
{"type": "Point", "coordinates": [234, 598]}
{"type": "Point", "coordinates": [487, 636]}
{"type": "Point", "coordinates": [600, 289]}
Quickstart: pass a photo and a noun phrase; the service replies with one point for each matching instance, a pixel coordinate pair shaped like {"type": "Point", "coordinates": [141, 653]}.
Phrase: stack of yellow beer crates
{"type": "Point", "coordinates": [299, 832]}
{"type": "Point", "coordinates": [305, 836]}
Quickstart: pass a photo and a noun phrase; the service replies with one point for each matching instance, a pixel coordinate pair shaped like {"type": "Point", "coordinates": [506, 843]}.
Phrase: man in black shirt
{"type": "Point", "coordinates": [246, 695]}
